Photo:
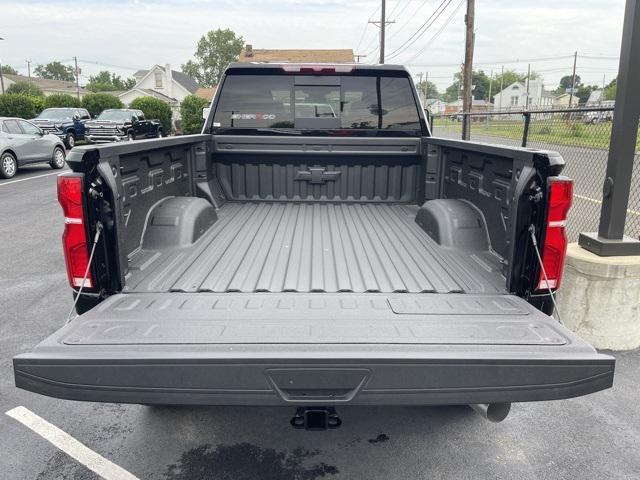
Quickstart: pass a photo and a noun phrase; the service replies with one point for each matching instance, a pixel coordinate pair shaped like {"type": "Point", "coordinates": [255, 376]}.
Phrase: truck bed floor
{"type": "Point", "coordinates": [315, 247]}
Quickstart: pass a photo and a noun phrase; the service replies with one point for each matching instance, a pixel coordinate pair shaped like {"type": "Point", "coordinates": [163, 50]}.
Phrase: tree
{"type": "Point", "coordinates": [154, 108]}
{"type": "Point", "coordinates": [97, 102]}
{"type": "Point", "coordinates": [24, 88]}
{"type": "Point", "coordinates": [191, 113]}
{"type": "Point", "coordinates": [566, 83]}
{"type": "Point", "coordinates": [61, 100]}
{"type": "Point", "coordinates": [106, 81]}
{"type": "Point", "coordinates": [480, 82]}
{"type": "Point", "coordinates": [7, 70]}
{"type": "Point", "coordinates": [55, 71]}
{"type": "Point", "coordinates": [611, 90]}
{"type": "Point", "coordinates": [583, 92]}
{"type": "Point", "coordinates": [215, 50]}
{"type": "Point", "coordinates": [17, 105]}
{"type": "Point", "coordinates": [430, 89]}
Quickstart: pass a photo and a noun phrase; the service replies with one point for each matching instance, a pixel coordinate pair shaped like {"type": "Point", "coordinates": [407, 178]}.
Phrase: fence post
{"type": "Point", "coordinates": [610, 239]}
{"type": "Point", "coordinates": [527, 123]}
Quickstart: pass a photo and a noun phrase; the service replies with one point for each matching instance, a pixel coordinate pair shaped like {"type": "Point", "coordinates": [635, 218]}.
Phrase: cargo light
{"type": "Point", "coordinates": [74, 238]}
{"type": "Point", "coordinates": [317, 68]}
{"type": "Point", "coordinates": [554, 247]}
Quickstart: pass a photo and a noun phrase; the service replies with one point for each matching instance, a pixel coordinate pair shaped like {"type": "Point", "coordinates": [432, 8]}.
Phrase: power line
{"type": "Point", "coordinates": [423, 28]}
{"type": "Point", "coordinates": [439, 32]}
{"type": "Point", "coordinates": [367, 26]}
{"type": "Point", "coordinates": [411, 17]}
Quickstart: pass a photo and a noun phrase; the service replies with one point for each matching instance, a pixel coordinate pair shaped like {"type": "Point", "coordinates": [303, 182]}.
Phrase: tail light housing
{"type": "Point", "coordinates": [554, 246]}
{"type": "Point", "coordinates": [317, 68]}
{"type": "Point", "coordinates": [74, 238]}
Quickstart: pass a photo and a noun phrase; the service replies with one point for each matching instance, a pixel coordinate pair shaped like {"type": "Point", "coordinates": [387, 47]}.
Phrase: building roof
{"type": "Point", "coordinates": [595, 96]}
{"type": "Point", "coordinates": [206, 93]}
{"type": "Point", "coordinates": [45, 84]}
{"type": "Point", "coordinates": [249, 54]}
{"type": "Point", "coordinates": [189, 83]}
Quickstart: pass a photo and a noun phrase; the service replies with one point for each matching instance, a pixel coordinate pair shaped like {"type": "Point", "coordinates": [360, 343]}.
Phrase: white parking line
{"type": "Point", "coordinates": [69, 445]}
{"type": "Point", "coordinates": [599, 202]}
{"type": "Point", "coordinates": [29, 178]}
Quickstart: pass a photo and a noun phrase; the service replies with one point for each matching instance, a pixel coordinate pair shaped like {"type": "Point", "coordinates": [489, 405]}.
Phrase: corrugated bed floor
{"type": "Point", "coordinates": [297, 247]}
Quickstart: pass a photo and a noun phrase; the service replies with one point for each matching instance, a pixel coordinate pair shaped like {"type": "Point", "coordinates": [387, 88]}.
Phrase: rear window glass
{"type": "Point", "coordinates": [299, 102]}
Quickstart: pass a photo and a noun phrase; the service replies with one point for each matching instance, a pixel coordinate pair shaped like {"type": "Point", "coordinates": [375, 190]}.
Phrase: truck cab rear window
{"type": "Point", "coordinates": [302, 103]}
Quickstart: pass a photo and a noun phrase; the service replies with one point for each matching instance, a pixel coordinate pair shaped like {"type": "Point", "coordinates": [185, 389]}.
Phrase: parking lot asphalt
{"type": "Point", "coordinates": [593, 437]}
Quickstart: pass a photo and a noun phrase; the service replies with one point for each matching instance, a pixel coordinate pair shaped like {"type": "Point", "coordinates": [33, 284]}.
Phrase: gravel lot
{"type": "Point", "coordinates": [592, 437]}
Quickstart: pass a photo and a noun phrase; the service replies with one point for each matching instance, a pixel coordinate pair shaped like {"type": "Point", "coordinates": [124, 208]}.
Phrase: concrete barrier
{"type": "Point", "coordinates": [600, 298]}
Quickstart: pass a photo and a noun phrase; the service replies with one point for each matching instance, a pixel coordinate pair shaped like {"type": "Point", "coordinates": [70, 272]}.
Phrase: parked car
{"type": "Point", "coordinates": [66, 123]}
{"type": "Point", "coordinates": [598, 116]}
{"type": "Point", "coordinates": [117, 125]}
{"type": "Point", "coordinates": [287, 258]}
{"type": "Point", "coordinates": [22, 142]}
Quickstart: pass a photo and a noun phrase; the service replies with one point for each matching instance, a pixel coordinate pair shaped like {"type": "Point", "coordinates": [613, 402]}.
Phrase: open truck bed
{"type": "Point", "coordinates": [273, 266]}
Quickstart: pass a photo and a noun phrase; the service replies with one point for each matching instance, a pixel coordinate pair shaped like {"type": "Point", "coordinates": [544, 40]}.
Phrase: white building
{"type": "Point", "coordinates": [163, 83]}
{"type": "Point", "coordinates": [434, 105]}
{"type": "Point", "coordinates": [514, 97]}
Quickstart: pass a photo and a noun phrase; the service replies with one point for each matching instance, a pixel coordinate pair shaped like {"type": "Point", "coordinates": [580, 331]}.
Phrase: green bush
{"type": "Point", "coordinates": [17, 105]}
{"type": "Point", "coordinates": [61, 100]}
{"type": "Point", "coordinates": [38, 103]}
{"type": "Point", "coordinates": [577, 130]}
{"type": "Point", "coordinates": [97, 102]}
{"type": "Point", "coordinates": [191, 113]}
{"type": "Point", "coordinates": [24, 88]}
{"type": "Point", "coordinates": [154, 109]}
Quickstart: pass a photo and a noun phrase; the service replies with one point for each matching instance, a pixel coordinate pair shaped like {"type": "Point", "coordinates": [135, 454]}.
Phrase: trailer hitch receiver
{"type": "Point", "coordinates": [316, 418]}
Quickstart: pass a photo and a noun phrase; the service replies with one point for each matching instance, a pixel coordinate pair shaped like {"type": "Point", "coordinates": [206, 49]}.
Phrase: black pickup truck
{"type": "Point", "coordinates": [117, 125]}
{"type": "Point", "coordinates": [289, 257]}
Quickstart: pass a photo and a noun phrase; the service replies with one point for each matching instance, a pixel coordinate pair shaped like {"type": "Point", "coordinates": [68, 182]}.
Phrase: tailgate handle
{"type": "Point", "coordinates": [328, 385]}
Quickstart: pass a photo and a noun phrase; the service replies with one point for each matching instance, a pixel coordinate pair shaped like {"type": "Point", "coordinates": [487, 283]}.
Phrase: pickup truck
{"type": "Point", "coordinates": [117, 125]}
{"type": "Point", "coordinates": [286, 257]}
{"type": "Point", "coordinates": [66, 123]}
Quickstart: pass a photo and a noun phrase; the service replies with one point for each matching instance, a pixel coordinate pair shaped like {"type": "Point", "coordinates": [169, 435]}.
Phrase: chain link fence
{"type": "Point", "coordinates": [581, 136]}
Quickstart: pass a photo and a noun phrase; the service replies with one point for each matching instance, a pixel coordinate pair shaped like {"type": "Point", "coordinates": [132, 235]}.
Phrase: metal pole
{"type": "Point", "coordinates": [610, 239]}
{"type": "Point", "coordinates": [382, 30]}
{"type": "Point", "coordinates": [29, 70]}
{"type": "Point", "coordinates": [467, 94]}
{"type": "Point", "coordinates": [75, 59]}
{"type": "Point", "coordinates": [426, 85]}
{"type": "Point", "coordinates": [501, 85]}
{"type": "Point", "coordinates": [528, 83]}
{"type": "Point", "coordinates": [1, 75]}
{"type": "Point", "coordinates": [573, 78]}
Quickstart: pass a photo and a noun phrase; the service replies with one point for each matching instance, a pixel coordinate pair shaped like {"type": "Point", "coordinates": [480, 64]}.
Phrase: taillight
{"type": "Point", "coordinates": [74, 238]}
{"type": "Point", "coordinates": [554, 246]}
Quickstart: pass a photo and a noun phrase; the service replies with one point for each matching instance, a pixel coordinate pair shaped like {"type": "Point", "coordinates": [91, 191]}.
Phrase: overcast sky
{"type": "Point", "coordinates": [124, 35]}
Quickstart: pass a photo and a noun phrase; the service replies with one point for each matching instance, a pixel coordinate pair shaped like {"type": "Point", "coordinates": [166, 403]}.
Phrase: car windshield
{"type": "Point", "coordinates": [56, 113]}
{"type": "Point", "coordinates": [117, 115]}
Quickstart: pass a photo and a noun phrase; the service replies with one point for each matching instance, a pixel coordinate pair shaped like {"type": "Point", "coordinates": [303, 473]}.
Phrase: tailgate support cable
{"type": "Point", "coordinates": [86, 272]}
{"type": "Point", "coordinates": [532, 231]}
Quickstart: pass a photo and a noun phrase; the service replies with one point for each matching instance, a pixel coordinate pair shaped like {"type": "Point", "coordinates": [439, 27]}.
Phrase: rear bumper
{"type": "Point", "coordinates": [234, 376]}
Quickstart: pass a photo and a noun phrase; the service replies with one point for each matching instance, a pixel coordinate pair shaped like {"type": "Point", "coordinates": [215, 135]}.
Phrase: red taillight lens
{"type": "Point", "coordinates": [554, 247]}
{"type": "Point", "coordinates": [74, 238]}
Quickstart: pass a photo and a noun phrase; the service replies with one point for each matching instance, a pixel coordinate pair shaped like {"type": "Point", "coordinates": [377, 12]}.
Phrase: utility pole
{"type": "Point", "coordinates": [490, 85]}
{"type": "Point", "coordinates": [382, 25]}
{"type": "Point", "coordinates": [426, 85]}
{"type": "Point", "coordinates": [501, 85]}
{"type": "Point", "coordinates": [1, 75]}
{"type": "Point", "coordinates": [75, 59]}
{"type": "Point", "coordinates": [467, 93]}
{"type": "Point", "coordinates": [528, 82]}
{"type": "Point", "coordinates": [29, 69]}
{"type": "Point", "coordinates": [573, 78]}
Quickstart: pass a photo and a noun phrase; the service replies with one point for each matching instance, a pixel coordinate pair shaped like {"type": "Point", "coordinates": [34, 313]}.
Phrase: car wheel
{"type": "Point", "coordinates": [70, 140]}
{"type": "Point", "coordinates": [58, 159]}
{"type": "Point", "coordinates": [8, 165]}
{"type": "Point", "coordinates": [131, 136]}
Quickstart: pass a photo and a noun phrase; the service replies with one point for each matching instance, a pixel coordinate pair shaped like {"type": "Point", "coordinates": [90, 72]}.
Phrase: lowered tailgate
{"type": "Point", "coordinates": [273, 349]}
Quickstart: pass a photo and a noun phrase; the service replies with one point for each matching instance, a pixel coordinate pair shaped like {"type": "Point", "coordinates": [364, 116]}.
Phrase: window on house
{"type": "Point", "coordinates": [158, 77]}
{"type": "Point", "coordinates": [515, 87]}
{"type": "Point", "coordinates": [514, 100]}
